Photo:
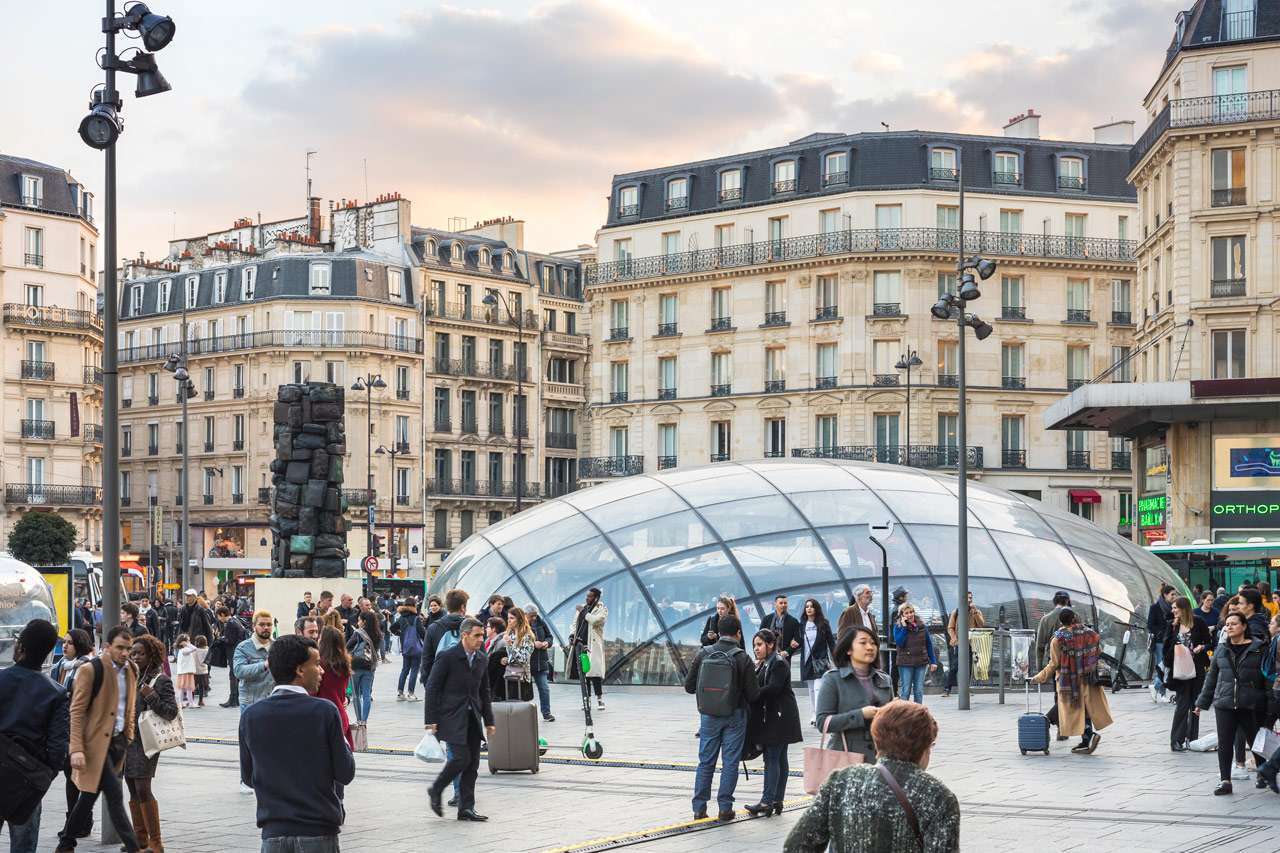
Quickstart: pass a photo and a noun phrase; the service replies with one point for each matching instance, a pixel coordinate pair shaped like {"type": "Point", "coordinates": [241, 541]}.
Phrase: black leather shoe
{"type": "Point", "coordinates": [1223, 788]}
{"type": "Point", "coordinates": [702, 815]}
{"type": "Point", "coordinates": [435, 802]}
{"type": "Point", "coordinates": [453, 801]}
{"type": "Point", "coordinates": [726, 815]}
{"type": "Point", "coordinates": [777, 808]}
{"type": "Point", "coordinates": [1177, 747]}
{"type": "Point", "coordinates": [470, 814]}
{"type": "Point", "coordinates": [1260, 782]}
{"type": "Point", "coordinates": [1269, 777]}
{"type": "Point", "coordinates": [760, 809]}
{"type": "Point", "coordinates": [228, 704]}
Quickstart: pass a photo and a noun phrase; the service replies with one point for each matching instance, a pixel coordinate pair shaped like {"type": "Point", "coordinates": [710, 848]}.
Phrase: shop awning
{"type": "Point", "coordinates": [1084, 496]}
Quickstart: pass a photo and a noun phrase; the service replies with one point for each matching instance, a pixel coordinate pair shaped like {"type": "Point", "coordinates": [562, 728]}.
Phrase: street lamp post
{"type": "Point", "coordinates": [367, 384]}
{"type": "Point", "coordinates": [907, 362]}
{"type": "Point", "coordinates": [101, 129]}
{"type": "Point", "coordinates": [953, 305]}
{"type": "Point", "coordinates": [520, 417]}
{"type": "Point", "coordinates": [397, 449]}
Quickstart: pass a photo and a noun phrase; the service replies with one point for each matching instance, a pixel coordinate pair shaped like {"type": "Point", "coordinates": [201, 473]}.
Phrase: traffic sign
{"type": "Point", "coordinates": [171, 586]}
{"type": "Point", "coordinates": [370, 563]}
{"type": "Point", "coordinates": [371, 515]}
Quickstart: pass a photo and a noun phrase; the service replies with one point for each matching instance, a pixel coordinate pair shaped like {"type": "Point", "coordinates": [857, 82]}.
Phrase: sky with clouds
{"type": "Point", "coordinates": [527, 109]}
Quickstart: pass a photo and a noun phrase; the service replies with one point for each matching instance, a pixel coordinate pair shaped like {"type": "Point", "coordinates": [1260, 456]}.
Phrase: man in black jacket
{"type": "Point", "coordinates": [1253, 610]}
{"type": "Point", "coordinates": [458, 707]}
{"type": "Point", "coordinates": [455, 603]}
{"type": "Point", "coordinates": [1158, 616]}
{"type": "Point", "coordinates": [233, 634]}
{"type": "Point", "coordinates": [297, 741]}
{"type": "Point", "coordinates": [150, 617]}
{"type": "Point", "coordinates": [193, 619]}
{"type": "Point", "coordinates": [540, 665]}
{"type": "Point", "coordinates": [130, 618]}
{"type": "Point", "coordinates": [722, 737]}
{"type": "Point", "coordinates": [170, 617]}
{"type": "Point", "coordinates": [786, 626]}
{"type": "Point", "coordinates": [34, 712]}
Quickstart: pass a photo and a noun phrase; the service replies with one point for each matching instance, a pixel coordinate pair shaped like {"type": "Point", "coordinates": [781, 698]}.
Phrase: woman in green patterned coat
{"type": "Point", "coordinates": [1082, 703]}
{"type": "Point", "coordinates": [864, 808]}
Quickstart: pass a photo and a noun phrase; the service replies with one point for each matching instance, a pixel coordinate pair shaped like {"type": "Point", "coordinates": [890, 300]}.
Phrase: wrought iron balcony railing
{"type": "Point", "coordinates": [465, 487]}
{"type": "Point", "coordinates": [1077, 460]}
{"type": "Point", "coordinates": [938, 173]}
{"type": "Point", "coordinates": [679, 202]}
{"type": "Point", "coordinates": [828, 312]}
{"type": "Point", "coordinates": [1237, 25]}
{"type": "Point", "coordinates": [775, 454]}
{"type": "Point", "coordinates": [274, 339]}
{"type": "Point", "coordinates": [264, 495]}
{"type": "Point", "coordinates": [666, 393]}
{"type": "Point", "coordinates": [208, 394]}
{"type": "Point", "coordinates": [948, 380]}
{"type": "Point", "coordinates": [915, 456]}
{"type": "Point", "coordinates": [833, 179]}
{"type": "Point", "coordinates": [1120, 460]}
{"type": "Point", "coordinates": [1013, 312]}
{"type": "Point", "coordinates": [153, 449]}
{"type": "Point", "coordinates": [1228, 287]}
{"type": "Point", "coordinates": [665, 462]}
{"type": "Point", "coordinates": [496, 426]}
{"type": "Point", "coordinates": [93, 375]}
{"type": "Point", "coordinates": [177, 499]}
{"type": "Point", "coordinates": [36, 493]}
{"type": "Point", "coordinates": [1013, 459]}
{"type": "Point", "coordinates": [668, 329]}
{"type": "Point", "coordinates": [153, 400]}
{"type": "Point", "coordinates": [1013, 382]}
{"type": "Point", "coordinates": [618, 397]}
{"type": "Point", "coordinates": [125, 500]}
{"type": "Point", "coordinates": [443, 424]}
{"type": "Point", "coordinates": [51, 317]}
{"type": "Point", "coordinates": [37, 429]}
{"type": "Point", "coordinates": [592, 467]}
{"type": "Point", "coordinates": [360, 497]}
{"type": "Point", "coordinates": [719, 457]}
{"type": "Point", "coordinates": [1125, 317]}
{"type": "Point", "coordinates": [237, 444]}
{"type": "Point", "coordinates": [787, 186]}
{"type": "Point", "coordinates": [730, 194]}
{"type": "Point", "coordinates": [1205, 112]}
{"type": "Point", "coordinates": [32, 201]}
{"type": "Point", "coordinates": [33, 260]}
{"type": "Point", "coordinates": [1229, 197]}
{"type": "Point", "coordinates": [825, 383]}
{"type": "Point", "coordinates": [1070, 182]}
{"type": "Point", "coordinates": [1077, 315]}
{"type": "Point", "coordinates": [886, 380]}
{"type": "Point", "coordinates": [775, 318]}
{"type": "Point", "coordinates": [1007, 177]}
{"type": "Point", "coordinates": [562, 440]}
{"type": "Point", "coordinates": [1073, 384]}
{"type": "Point", "coordinates": [208, 447]}
{"type": "Point", "coordinates": [237, 497]}
{"type": "Point", "coordinates": [555, 490]}
{"type": "Point", "coordinates": [625, 210]}
{"type": "Point", "coordinates": [479, 369]}
{"type": "Point", "coordinates": [469, 426]}
{"type": "Point", "coordinates": [773, 386]}
{"type": "Point", "coordinates": [721, 324]}
{"type": "Point", "coordinates": [480, 313]}
{"type": "Point", "coordinates": [720, 390]}
{"type": "Point", "coordinates": [887, 309]}
{"type": "Point", "coordinates": [865, 241]}
{"type": "Point", "coordinates": [402, 393]}
{"type": "Point", "coordinates": [126, 404]}
{"type": "Point", "coordinates": [619, 333]}
{"type": "Point", "coordinates": [93, 434]}
{"type": "Point", "coordinates": [38, 370]}
{"type": "Point", "coordinates": [207, 500]}
{"type": "Point", "coordinates": [126, 450]}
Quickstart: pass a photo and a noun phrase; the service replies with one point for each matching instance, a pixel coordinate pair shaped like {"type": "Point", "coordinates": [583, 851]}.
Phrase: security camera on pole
{"type": "Point", "coordinates": [100, 129]}
{"type": "Point", "coordinates": [953, 305]}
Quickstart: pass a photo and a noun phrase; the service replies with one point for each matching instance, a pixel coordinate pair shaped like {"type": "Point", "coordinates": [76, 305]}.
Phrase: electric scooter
{"type": "Point", "coordinates": [591, 748]}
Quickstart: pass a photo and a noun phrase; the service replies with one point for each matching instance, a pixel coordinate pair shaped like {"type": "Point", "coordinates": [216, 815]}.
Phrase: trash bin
{"type": "Point", "coordinates": [1021, 643]}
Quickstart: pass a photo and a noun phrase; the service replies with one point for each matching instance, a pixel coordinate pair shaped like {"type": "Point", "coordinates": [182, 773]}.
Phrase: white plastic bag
{"type": "Point", "coordinates": [1266, 743]}
{"type": "Point", "coordinates": [430, 750]}
{"type": "Point", "coordinates": [1208, 743]}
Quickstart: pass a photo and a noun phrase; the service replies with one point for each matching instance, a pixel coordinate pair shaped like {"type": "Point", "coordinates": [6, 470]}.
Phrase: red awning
{"type": "Point", "coordinates": [1084, 496]}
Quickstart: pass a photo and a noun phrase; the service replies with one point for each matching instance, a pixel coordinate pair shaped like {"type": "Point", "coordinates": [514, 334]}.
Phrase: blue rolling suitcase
{"type": "Point", "coordinates": [1033, 729]}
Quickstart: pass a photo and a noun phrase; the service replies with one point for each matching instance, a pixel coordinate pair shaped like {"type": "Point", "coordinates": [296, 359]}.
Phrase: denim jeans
{"type": "Point", "coordinates": [544, 692]}
{"type": "Point", "coordinates": [24, 837]}
{"type": "Point", "coordinates": [409, 668]}
{"type": "Point", "coordinates": [1155, 670]}
{"type": "Point", "coordinates": [301, 844]}
{"type": "Point", "coordinates": [720, 737]}
{"type": "Point", "coordinates": [362, 692]}
{"type": "Point", "coordinates": [911, 678]}
{"type": "Point", "coordinates": [776, 769]}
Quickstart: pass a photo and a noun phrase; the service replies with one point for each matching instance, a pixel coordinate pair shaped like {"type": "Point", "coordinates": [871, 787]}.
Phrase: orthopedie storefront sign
{"type": "Point", "coordinates": [1255, 509]}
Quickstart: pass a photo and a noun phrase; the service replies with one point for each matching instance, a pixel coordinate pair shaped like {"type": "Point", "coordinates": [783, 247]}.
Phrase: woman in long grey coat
{"type": "Point", "coordinates": [852, 692]}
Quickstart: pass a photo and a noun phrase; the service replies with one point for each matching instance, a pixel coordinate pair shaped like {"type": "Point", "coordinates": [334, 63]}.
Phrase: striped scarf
{"type": "Point", "coordinates": [1078, 666]}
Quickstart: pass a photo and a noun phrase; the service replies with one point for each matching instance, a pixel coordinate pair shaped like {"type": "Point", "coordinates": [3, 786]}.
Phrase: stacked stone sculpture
{"type": "Point", "coordinates": [308, 512]}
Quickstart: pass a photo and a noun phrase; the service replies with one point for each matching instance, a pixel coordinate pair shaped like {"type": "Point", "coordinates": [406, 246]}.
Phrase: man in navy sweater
{"type": "Point", "coordinates": [35, 712]}
{"type": "Point", "coordinates": [296, 739]}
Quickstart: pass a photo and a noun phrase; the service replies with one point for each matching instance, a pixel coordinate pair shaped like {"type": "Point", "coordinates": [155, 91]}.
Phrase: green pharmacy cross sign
{"type": "Point", "coordinates": [1151, 511]}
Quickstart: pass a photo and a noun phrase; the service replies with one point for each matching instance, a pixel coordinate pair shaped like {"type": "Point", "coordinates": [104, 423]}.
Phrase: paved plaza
{"type": "Point", "coordinates": [1132, 795]}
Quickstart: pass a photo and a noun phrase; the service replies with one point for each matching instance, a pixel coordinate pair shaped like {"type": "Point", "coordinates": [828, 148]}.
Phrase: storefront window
{"type": "Point", "coordinates": [224, 541]}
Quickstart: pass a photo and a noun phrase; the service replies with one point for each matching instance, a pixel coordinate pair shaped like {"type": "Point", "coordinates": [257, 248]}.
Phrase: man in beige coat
{"type": "Point", "coordinates": [102, 717]}
{"type": "Point", "coordinates": [858, 613]}
{"type": "Point", "coordinates": [1072, 662]}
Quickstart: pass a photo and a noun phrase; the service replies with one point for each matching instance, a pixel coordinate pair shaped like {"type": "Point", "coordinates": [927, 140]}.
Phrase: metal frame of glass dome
{"type": "Point", "coordinates": [697, 496]}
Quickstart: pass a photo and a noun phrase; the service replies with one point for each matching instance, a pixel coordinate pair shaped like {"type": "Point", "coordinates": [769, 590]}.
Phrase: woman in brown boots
{"type": "Point", "coordinates": [155, 693]}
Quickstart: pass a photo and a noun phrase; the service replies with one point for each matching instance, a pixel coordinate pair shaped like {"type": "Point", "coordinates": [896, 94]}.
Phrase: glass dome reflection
{"type": "Point", "coordinates": [662, 547]}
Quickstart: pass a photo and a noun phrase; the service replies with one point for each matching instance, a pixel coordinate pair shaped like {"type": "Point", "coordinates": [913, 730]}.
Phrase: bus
{"type": "Point", "coordinates": [1224, 565]}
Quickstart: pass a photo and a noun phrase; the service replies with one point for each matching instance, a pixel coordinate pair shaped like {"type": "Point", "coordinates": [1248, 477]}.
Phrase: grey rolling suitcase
{"type": "Point", "coordinates": [514, 745]}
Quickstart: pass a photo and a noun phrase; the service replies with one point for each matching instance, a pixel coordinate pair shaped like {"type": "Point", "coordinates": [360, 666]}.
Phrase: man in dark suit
{"type": "Point", "coordinates": [457, 710]}
{"type": "Point", "coordinates": [297, 742]}
{"type": "Point", "coordinates": [786, 626]}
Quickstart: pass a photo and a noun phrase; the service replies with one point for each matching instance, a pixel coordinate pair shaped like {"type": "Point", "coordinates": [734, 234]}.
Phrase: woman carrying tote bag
{"type": "Point", "coordinates": [155, 695]}
{"type": "Point", "coordinates": [1186, 659]}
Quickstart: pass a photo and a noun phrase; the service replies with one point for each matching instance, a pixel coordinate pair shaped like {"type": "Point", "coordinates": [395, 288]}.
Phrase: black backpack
{"type": "Point", "coordinates": [718, 682]}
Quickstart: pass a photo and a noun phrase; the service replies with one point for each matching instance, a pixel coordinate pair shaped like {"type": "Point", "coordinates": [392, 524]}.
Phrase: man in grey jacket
{"type": "Point", "coordinates": [1044, 636]}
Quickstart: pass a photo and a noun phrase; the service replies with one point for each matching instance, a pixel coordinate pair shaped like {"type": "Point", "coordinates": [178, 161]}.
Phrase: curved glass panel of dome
{"type": "Point", "coordinates": [664, 547]}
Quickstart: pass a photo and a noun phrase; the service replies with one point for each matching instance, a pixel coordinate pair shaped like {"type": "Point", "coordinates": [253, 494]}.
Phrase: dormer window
{"type": "Point", "coordinates": [135, 300]}
{"type": "Point", "coordinates": [165, 287]}
{"type": "Point", "coordinates": [784, 176]}
{"type": "Point", "coordinates": [220, 287]}
{"type": "Point", "coordinates": [193, 290]}
{"type": "Point", "coordinates": [485, 257]}
{"type": "Point", "coordinates": [835, 168]}
{"type": "Point", "coordinates": [1008, 168]}
{"type": "Point", "coordinates": [1070, 173]}
{"type": "Point", "coordinates": [433, 250]}
{"type": "Point", "coordinates": [942, 165]}
{"type": "Point", "coordinates": [1238, 18]}
{"type": "Point", "coordinates": [320, 279]}
{"type": "Point", "coordinates": [628, 201]}
{"type": "Point", "coordinates": [455, 253]}
{"type": "Point", "coordinates": [677, 194]}
{"type": "Point", "coordinates": [506, 261]}
{"type": "Point", "coordinates": [248, 281]}
{"type": "Point", "coordinates": [731, 185]}
{"type": "Point", "coordinates": [395, 284]}
{"type": "Point", "coordinates": [32, 191]}
{"type": "Point", "coordinates": [548, 273]}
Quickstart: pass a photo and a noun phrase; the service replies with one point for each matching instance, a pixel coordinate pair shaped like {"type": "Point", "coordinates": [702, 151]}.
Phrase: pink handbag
{"type": "Point", "coordinates": [820, 762]}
